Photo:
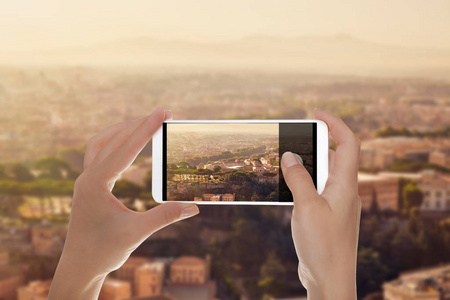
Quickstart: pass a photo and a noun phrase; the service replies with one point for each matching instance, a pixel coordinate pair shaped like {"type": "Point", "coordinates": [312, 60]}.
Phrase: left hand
{"type": "Point", "coordinates": [102, 232]}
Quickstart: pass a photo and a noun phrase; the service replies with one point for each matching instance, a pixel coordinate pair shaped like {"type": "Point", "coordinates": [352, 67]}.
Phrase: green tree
{"type": "Point", "coordinates": [74, 157]}
{"type": "Point", "coordinates": [217, 169]}
{"type": "Point", "coordinates": [11, 197]}
{"type": "Point", "coordinates": [184, 165]}
{"type": "Point", "coordinates": [412, 196]}
{"type": "Point", "coordinates": [20, 172]}
{"type": "Point", "coordinates": [371, 272]}
{"type": "Point", "coordinates": [374, 209]}
{"type": "Point", "coordinates": [127, 191]}
{"type": "Point", "coordinates": [415, 224]}
{"type": "Point", "coordinates": [272, 275]}
{"type": "Point", "coordinates": [55, 168]}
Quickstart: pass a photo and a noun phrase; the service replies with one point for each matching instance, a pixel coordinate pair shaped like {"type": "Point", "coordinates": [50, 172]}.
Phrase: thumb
{"type": "Point", "coordinates": [297, 178]}
{"type": "Point", "coordinates": [165, 214]}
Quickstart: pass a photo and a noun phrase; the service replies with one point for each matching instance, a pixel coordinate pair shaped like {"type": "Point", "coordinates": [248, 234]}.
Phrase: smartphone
{"type": "Point", "coordinates": [233, 162]}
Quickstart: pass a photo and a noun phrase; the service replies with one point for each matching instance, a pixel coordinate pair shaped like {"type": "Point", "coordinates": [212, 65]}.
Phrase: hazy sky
{"type": "Point", "coordinates": [43, 24]}
{"type": "Point", "coordinates": [267, 129]}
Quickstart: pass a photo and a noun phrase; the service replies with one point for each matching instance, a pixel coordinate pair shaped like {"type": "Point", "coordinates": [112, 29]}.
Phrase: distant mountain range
{"type": "Point", "coordinates": [339, 54]}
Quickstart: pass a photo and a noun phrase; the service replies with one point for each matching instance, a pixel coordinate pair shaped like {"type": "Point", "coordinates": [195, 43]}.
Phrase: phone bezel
{"type": "Point", "coordinates": [157, 160]}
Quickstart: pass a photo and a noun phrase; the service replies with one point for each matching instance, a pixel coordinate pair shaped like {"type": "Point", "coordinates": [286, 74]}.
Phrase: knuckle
{"type": "Point", "coordinates": [91, 142]}
{"type": "Point", "coordinates": [297, 174]}
{"type": "Point", "coordinates": [170, 214]}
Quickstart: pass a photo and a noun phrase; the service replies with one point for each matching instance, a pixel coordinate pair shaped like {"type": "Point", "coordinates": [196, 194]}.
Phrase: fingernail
{"type": "Point", "coordinates": [299, 158]}
{"type": "Point", "coordinates": [289, 159]}
{"type": "Point", "coordinates": [189, 211]}
{"type": "Point", "coordinates": [167, 113]}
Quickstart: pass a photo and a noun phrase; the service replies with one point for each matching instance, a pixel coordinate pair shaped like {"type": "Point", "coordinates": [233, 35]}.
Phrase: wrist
{"type": "Point", "coordinates": [75, 280]}
{"type": "Point", "coordinates": [334, 289]}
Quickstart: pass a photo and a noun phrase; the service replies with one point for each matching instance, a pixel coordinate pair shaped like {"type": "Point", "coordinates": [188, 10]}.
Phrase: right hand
{"type": "Point", "coordinates": [325, 227]}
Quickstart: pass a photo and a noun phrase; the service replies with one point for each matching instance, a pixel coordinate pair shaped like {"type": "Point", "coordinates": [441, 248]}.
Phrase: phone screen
{"type": "Point", "coordinates": [233, 161]}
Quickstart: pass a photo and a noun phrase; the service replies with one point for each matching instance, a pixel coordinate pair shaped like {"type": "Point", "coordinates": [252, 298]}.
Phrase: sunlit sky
{"type": "Point", "coordinates": [47, 24]}
{"type": "Point", "coordinates": [267, 129]}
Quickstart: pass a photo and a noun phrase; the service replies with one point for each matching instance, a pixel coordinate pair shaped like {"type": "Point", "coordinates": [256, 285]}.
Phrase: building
{"type": "Point", "coordinates": [376, 158]}
{"type": "Point", "coordinates": [440, 158]}
{"type": "Point", "coordinates": [428, 284]}
{"type": "Point", "coordinates": [380, 188]}
{"type": "Point", "coordinates": [35, 290]}
{"type": "Point", "coordinates": [16, 238]}
{"type": "Point", "coordinates": [11, 276]}
{"type": "Point", "coordinates": [188, 270]}
{"type": "Point", "coordinates": [114, 289]}
{"type": "Point", "coordinates": [159, 297]}
{"type": "Point", "coordinates": [148, 279]}
{"type": "Point", "coordinates": [207, 197]}
{"type": "Point", "coordinates": [198, 199]}
{"type": "Point", "coordinates": [127, 271]}
{"type": "Point", "coordinates": [187, 292]}
{"type": "Point", "coordinates": [215, 198]}
{"type": "Point", "coordinates": [189, 279]}
{"type": "Point", "coordinates": [4, 256]}
{"type": "Point", "coordinates": [182, 187]}
{"type": "Point", "coordinates": [48, 239]}
{"type": "Point", "coordinates": [259, 169]}
{"type": "Point", "coordinates": [436, 189]}
{"type": "Point", "coordinates": [380, 152]}
{"type": "Point", "coordinates": [228, 197]}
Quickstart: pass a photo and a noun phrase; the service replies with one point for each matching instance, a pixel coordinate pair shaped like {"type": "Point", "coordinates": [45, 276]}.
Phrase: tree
{"type": "Point", "coordinates": [374, 209]}
{"type": "Point", "coordinates": [74, 157]}
{"type": "Point", "coordinates": [415, 224]}
{"type": "Point", "coordinates": [255, 197]}
{"type": "Point", "coordinates": [127, 191]}
{"type": "Point", "coordinates": [2, 172]}
{"type": "Point", "coordinates": [405, 249]}
{"type": "Point", "coordinates": [148, 179]}
{"type": "Point", "coordinates": [20, 172]}
{"type": "Point", "coordinates": [55, 168]}
{"type": "Point", "coordinates": [412, 196]}
{"type": "Point", "coordinates": [371, 271]}
{"type": "Point", "coordinates": [184, 165]}
{"type": "Point", "coordinates": [272, 275]}
{"type": "Point", "coordinates": [217, 169]}
{"type": "Point", "coordinates": [11, 193]}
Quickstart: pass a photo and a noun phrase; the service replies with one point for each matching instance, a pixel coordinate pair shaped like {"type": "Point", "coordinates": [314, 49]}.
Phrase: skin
{"type": "Point", "coordinates": [325, 227]}
{"type": "Point", "coordinates": [102, 232]}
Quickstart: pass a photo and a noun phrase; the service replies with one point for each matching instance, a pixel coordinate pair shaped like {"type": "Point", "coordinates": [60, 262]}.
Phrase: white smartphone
{"type": "Point", "coordinates": [234, 161]}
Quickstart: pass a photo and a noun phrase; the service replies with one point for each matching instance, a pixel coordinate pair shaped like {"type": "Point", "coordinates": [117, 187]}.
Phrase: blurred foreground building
{"type": "Point", "coordinates": [436, 189]}
{"type": "Point", "coordinates": [48, 239]}
{"type": "Point", "coordinates": [183, 278]}
{"type": "Point", "coordinates": [35, 290]}
{"type": "Point", "coordinates": [378, 188]}
{"type": "Point", "coordinates": [11, 276]}
{"type": "Point", "coordinates": [427, 284]}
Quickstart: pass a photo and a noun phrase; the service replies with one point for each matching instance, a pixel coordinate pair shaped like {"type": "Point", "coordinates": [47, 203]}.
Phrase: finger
{"type": "Point", "coordinates": [118, 161]}
{"type": "Point", "coordinates": [162, 215]}
{"type": "Point", "coordinates": [297, 179]}
{"type": "Point", "coordinates": [331, 155]}
{"type": "Point", "coordinates": [168, 115]}
{"type": "Point", "coordinates": [348, 147]}
{"type": "Point", "coordinates": [95, 143]}
{"type": "Point", "coordinates": [115, 141]}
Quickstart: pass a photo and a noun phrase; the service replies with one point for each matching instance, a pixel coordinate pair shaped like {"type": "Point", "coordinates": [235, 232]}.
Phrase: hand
{"type": "Point", "coordinates": [325, 227]}
{"type": "Point", "coordinates": [102, 232]}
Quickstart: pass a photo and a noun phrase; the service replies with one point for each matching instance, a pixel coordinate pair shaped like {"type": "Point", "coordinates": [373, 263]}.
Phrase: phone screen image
{"type": "Point", "coordinates": [233, 161]}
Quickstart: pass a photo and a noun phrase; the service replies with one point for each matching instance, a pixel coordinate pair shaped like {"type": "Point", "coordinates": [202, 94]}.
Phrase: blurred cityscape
{"type": "Point", "coordinates": [226, 252]}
